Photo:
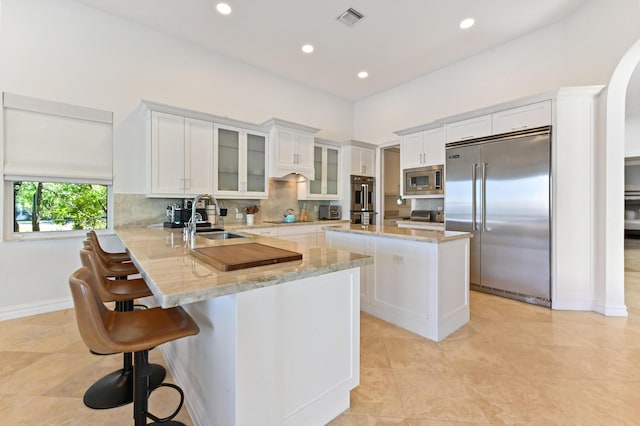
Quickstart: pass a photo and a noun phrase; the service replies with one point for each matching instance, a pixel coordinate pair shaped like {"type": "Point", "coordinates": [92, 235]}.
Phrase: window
{"type": "Point", "coordinates": [58, 166]}
{"type": "Point", "coordinates": [54, 206]}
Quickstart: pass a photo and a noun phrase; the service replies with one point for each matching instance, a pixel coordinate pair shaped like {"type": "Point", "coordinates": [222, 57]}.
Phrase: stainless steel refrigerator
{"type": "Point", "coordinates": [499, 189]}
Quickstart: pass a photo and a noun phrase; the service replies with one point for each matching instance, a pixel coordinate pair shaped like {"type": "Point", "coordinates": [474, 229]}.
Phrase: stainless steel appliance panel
{"type": "Point", "coordinates": [461, 201]}
{"type": "Point", "coordinates": [498, 188]}
{"type": "Point", "coordinates": [515, 224]}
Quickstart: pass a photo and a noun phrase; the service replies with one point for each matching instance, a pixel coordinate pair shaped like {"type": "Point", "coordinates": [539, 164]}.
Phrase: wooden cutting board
{"type": "Point", "coordinates": [240, 256]}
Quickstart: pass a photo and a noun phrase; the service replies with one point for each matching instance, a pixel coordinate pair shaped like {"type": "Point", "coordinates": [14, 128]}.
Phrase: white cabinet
{"type": "Point", "coordinates": [357, 244]}
{"type": "Point", "coordinates": [291, 149]}
{"type": "Point", "coordinates": [423, 148]}
{"type": "Point", "coordinates": [325, 186]}
{"type": "Point", "coordinates": [303, 234]}
{"type": "Point", "coordinates": [472, 128]}
{"type": "Point", "coordinates": [521, 118]}
{"type": "Point", "coordinates": [363, 161]}
{"type": "Point", "coordinates": [181, 151]}
{"type": "Point", "coordinates": [240, 162]}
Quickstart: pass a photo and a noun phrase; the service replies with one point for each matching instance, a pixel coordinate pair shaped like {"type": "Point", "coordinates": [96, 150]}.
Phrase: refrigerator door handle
{"type": "Point", "coordinates": [365, 197]}
{"type": "Point", "coordinates": [484, 197]}
{"type": "Point", "coordinates": [474, 226]}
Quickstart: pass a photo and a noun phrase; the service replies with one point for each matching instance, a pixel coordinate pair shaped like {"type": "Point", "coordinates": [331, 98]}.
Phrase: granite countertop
{"type": "Point", "coordinates": [421, 223]}
{"type": "Point", "coordinates": [176, 277]}
{"type": "Point", "coordinates": [412, 234]}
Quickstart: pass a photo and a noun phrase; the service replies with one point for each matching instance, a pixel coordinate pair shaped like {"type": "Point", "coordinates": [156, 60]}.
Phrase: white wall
{"type": "Point", "coordinates": [583, 50]}
{"type": "Point", "coordinates": [67, 52]}
{"type": "Point", "coordinates": [632, 120]}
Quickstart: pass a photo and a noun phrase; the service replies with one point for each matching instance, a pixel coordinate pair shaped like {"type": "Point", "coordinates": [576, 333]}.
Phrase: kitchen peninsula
{"type": "Point", "coordinates": [419, 279]}
{"type": "Point", "coordinates": [278, 344]}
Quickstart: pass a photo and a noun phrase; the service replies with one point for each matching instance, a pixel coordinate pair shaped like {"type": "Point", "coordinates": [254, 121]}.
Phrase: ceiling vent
{"type": "Point", "coordinates": [350, 17]}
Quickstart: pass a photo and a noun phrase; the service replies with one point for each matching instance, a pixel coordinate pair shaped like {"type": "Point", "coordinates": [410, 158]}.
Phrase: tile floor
{"type": "Point", "coordinates": [513, 363]}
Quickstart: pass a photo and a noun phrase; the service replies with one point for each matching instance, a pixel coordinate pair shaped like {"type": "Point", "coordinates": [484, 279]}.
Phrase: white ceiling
{"type": "Point", "coordinates": [397, 41]}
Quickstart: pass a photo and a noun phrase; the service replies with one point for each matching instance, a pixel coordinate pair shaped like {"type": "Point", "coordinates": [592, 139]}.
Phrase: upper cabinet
{"type": "Point", "coordinates": [472, 128]}
{"type": "Point", "coordinates": [363, 161]}
{"type": "Point", "coordinates": [424, 148]}
{"type": "Point", "coordinates": [240, 162]}
{"type": "Point", "coordinates": [508, 120]}
{"type": "Point", "coordinates": [325, 186]}
{"type": "Point", "coordinates": [522, 118]}
{"type": "Point", "coordinates": [291, 149]}
{"type": "Point", "coordinates": [181, 150]}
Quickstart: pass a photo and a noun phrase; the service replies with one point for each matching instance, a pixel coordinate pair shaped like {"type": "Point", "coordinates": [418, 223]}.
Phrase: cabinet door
{"type": "Point", "coordinates": [227, 144]}
{"type": "Point", "coordinates": [362, 161]}
{"type": "Point", "coordinates": [333, 154]}
{"type": "Point", "coordinates": [433, 144]}
{"type": "Point", "coordinates": [476, 127]}
{"type": "Point", "coordinates": [198, 135]}
{"type": "Point", "coordinates": [256, 163]}
{"type": "Point", "coordinates": [525, 117]}
{"type": "Point", "coordinates": [285, 148]}
{"type": "Point", "coordinates": [315, 186]}
{"type": "Point", "coordinates": [167, 154]}
{"type": "Point", "coordinates": [304, 151]}
{"type": "Point", "coordinates": [411, 150]}
{"type": "Point", "coordinates": [368, 162]}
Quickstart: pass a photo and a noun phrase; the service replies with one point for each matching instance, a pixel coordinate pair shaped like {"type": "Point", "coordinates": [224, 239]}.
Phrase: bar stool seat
{"type": "Point", "coordinates": [116, 388]}
{"type": "Point", "coordinates": [106, 331]}
{"type": "Point", "coordinates": [108, 267]}
{"type": "Point", "coordinates": [119, 257]}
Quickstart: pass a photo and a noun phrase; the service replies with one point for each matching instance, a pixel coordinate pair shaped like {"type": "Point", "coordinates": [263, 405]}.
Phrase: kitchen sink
{"type": "Point", "coordinates": [220, 235]}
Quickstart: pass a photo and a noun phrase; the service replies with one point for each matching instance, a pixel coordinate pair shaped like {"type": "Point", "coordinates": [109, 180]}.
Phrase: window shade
{"type": "Point", "coordinates": [51, 141]}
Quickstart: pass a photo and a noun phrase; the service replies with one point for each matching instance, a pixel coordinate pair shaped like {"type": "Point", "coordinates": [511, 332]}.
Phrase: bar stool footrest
{"type": "Point", "coordinates": [167, 420]}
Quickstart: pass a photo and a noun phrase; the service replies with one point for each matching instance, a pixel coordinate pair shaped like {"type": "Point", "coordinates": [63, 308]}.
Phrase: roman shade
{"type": "Point", "coordinates": [55, 142]}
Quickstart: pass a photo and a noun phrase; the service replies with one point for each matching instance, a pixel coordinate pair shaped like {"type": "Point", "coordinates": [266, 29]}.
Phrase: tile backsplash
{"type": "Point", "coordinates": [136, 210]}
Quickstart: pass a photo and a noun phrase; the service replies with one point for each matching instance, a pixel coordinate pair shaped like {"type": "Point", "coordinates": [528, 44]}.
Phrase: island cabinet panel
{"type": "Point", "coordinates": [402, 268]}
{"type": "Point", "coordinates": [282, 355]}
{"type": "Point", "coordinates": [415, 284]}
{"type": "Point", "coordinates": [357, 244]}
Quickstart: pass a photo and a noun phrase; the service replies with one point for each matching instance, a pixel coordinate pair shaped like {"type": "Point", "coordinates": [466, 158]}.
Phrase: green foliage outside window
{"type": "Point", "coordinates": [51, 206]}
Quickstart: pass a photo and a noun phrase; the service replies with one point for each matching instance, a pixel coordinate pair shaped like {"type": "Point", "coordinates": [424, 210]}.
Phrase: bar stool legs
{"type": "Point", "coordinates": [116, 389]}
{"type": "Point", "coordinates": [142, 390]}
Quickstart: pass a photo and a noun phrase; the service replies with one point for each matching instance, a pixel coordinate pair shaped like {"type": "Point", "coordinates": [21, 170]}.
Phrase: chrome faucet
{"type": "Point", "coordinates": [190, 229]}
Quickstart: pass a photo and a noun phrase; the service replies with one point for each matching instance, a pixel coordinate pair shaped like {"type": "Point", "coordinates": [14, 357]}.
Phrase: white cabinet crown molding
{"type": "Point", "coordinates": [277, 122]}
{"type": "Point", "coordinates": [185, 112]}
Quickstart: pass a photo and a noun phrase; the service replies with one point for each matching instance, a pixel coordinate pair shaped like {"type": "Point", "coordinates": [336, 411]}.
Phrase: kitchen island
{"type": "Point", "coordinates": [278, 344]}
{"type": "Point", "coordinates": [419, 279]}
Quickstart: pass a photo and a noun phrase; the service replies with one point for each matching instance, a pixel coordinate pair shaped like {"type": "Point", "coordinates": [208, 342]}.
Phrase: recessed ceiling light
{"type": "Point", "coordinates": [467, 23]}
{"type": "Point", "coordinates": [307, 48]}
{"type": "Point", "coordinates": [223, 8]}
{"type": "Point", "coordinates": [363, 74]}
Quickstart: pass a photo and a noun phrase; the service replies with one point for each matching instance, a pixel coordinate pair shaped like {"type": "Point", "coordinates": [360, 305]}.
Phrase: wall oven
{"type": "Point", "coordinates": [363, 200]}
{"type": "Point", "coordinates": [424, 180]}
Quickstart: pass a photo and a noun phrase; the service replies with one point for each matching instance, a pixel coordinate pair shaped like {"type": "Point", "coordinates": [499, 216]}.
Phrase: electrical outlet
{"type": "Point", "coordinates": [315, 208]}
{"type": "Point", "coordinates": [239, 215]}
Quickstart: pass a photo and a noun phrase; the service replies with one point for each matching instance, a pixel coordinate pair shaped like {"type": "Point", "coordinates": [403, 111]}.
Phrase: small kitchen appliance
{"type": "Point", "coordinates": [329, 212]}
{"type": "Point", "coordinates": [424, 180]}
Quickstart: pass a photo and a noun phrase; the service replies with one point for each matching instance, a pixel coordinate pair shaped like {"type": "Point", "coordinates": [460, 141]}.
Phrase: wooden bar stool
{"type": "Point", "coordinates": [116, 389]}
{"type": "Point", "coordinates": [105, 331]}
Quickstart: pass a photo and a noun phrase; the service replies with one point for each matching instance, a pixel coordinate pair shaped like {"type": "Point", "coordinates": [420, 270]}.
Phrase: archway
{"type": "Point", "coordinates": [610, 295]}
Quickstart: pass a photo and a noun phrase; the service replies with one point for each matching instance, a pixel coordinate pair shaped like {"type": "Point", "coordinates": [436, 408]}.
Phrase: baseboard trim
{"type": "Point", "coordinates": [612, 310]}
{"type": "Point", "coordinates": [28, 309]}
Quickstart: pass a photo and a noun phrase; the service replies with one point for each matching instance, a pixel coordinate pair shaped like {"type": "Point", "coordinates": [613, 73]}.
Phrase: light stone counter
{"type": "Point", "coordinates": [424, 235]}
{"type": "Point", "coordinates": [177, 278]}
{"type": "Point", "coordinates": [278, 344]}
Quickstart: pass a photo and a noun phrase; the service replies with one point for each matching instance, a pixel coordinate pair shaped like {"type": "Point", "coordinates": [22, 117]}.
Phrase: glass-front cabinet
{"type": "Point", "coordinates": [240, 162]}
{"type": "Point", "coordinates": [326, 172]}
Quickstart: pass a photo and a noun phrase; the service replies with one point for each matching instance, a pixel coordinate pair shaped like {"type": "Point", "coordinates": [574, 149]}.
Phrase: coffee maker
{"type": "Point", "coordinates": [178, 215]}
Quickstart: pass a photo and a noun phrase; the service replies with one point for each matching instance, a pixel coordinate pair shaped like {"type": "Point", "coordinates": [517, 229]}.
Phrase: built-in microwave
{"type": "Point", "coordinates": [427, 180]}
